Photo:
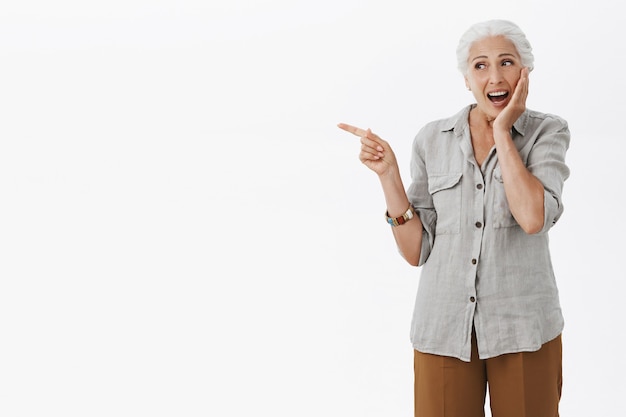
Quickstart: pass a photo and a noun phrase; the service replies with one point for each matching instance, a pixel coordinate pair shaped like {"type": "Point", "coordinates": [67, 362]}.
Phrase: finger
{"type": "Point", "coordinates": [524, 77]}
{"type": "Point", "coordinates": [371, 144]}
{"type": "Point", "coordinates": [373, 153]}
{"type": "Point", "coordinates": [352, 129]}
{"type": "Point", "coordinates": [369, 156]}
{"type": "Point", "coordinates": [524, 86]}
{"type": "Point", "coordinates": [372, 135]}
{"type": "Point", "coordinates": [527, 77]}
{"type": "Point", "coordinates": [521, 89]}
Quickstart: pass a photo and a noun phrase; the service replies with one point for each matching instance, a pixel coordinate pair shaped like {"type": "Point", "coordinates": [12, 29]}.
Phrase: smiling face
{"type": "Point", "coordinates": [494, 70]}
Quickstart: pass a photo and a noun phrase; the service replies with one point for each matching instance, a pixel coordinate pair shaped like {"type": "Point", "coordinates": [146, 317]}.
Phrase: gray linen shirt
{"type": "Point", "coordinates": [479, 268]}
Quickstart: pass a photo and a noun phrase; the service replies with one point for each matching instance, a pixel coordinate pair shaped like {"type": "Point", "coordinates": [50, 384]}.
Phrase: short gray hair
{"type": "Point", "coordinates": [489, 28]}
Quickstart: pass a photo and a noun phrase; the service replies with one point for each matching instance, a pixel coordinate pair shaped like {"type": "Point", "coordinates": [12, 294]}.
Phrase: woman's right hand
{"type": "Point", "coordinates": [376, 154]}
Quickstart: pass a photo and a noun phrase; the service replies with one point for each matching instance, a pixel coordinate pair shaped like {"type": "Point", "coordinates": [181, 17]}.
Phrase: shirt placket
{"type": "Point", "coordinates": [476, 219]}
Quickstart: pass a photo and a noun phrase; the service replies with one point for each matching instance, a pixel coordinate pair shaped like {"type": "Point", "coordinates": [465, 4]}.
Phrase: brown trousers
{"type": "Point", "coordinates": [526, 384]}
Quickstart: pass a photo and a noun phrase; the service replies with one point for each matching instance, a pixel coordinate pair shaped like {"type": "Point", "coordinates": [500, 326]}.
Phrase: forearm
{"type": "Point", "coordinates": [408, 236]}
{"type": "Point", "coordinates": [524, 192]}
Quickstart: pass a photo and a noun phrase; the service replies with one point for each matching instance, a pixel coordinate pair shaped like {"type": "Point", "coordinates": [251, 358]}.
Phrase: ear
{"type": "Point", "coordinates": [467, 84]}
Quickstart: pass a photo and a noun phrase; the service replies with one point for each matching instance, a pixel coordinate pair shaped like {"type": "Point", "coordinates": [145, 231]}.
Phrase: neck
{"type": "Point", "coordinates": [479, 119]}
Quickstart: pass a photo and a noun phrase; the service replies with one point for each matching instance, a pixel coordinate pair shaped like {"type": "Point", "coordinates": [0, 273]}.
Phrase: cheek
{"type": "Point", "coordinates": [477, 85]}
{"type": "Point", "coordinates": [478, 80]}
{"type": "Point", "coordinates": [513, 78]}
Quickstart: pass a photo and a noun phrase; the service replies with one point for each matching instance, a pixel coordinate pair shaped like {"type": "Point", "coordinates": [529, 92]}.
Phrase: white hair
{"type": "Point", "coordinates": [489, 28]}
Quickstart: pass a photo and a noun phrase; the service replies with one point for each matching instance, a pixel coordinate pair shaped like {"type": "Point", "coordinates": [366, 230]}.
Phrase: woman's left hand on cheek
{"type": "Point", "coordinates": [517, 105]}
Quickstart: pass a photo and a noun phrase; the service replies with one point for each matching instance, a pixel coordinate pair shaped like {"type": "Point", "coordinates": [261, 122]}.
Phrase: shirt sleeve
{"type": "Point", "coordinates": [546, 161]}
{"type": "Point", "coordinates": [420, 198]}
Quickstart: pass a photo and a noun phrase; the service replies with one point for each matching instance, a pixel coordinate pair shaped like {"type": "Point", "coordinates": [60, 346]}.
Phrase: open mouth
{"type": "Point", "coordinates": [498, 96]}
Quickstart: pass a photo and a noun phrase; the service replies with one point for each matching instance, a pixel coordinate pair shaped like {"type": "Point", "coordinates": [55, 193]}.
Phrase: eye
{"type": "Point", "coordinates": [480, 66]}
{"type": "Point", "coordinates": [507, 63]}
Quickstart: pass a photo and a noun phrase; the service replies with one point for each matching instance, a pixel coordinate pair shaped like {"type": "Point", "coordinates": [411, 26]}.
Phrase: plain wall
{"type": "Point", "coordinates": [184, 231]}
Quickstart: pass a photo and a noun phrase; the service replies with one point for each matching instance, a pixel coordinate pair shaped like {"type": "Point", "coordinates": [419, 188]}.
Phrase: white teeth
{"type": "Point", "coordinates": [497, 93]}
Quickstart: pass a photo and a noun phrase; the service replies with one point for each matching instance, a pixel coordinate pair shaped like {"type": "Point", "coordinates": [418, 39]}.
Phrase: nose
{"type": "Point", "coordinates": [495, 74]}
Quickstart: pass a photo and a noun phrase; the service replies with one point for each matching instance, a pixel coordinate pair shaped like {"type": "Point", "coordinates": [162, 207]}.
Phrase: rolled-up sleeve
{"type": "Point", "coordinates": [420, 198]}
{"type": "Point", "coordinates": [546, 161]}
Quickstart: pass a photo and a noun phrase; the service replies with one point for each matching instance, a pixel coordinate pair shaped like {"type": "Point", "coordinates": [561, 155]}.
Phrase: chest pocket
{"type": "Point", "coordinates": [502, 216]}
{"type": "Point", "coordinates": [445, 190]}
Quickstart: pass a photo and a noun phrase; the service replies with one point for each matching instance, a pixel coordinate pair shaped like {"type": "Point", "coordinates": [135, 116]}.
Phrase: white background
{"type": "Point", "coordinates": [185, 232]}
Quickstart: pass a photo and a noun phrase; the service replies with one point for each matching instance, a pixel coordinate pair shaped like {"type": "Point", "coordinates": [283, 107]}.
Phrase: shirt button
{"type": "Point", "coordinates": [479, 224]}
{"type": "Point", "coordinates": [472, 299]}
{"type": "Point", "coordinates": [479, 186]}
{"type": "Point", "coordinates": [474, 261]}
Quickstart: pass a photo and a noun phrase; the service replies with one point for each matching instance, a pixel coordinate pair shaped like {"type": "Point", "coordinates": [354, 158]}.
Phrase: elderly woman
{"type": "Point", "coordinates": [485, 190]}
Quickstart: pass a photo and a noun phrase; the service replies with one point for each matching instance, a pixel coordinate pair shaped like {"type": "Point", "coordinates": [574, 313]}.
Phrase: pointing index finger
{"type": "Point", "coordinates": [352, 129]}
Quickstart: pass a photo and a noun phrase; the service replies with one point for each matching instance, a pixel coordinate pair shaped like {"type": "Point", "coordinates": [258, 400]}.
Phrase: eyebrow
{"type": "Point", "coordinates": [499, 56]}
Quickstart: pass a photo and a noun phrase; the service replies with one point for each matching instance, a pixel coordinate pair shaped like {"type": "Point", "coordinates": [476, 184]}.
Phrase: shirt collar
{"type": "Point", "coordinates": [460, 121]}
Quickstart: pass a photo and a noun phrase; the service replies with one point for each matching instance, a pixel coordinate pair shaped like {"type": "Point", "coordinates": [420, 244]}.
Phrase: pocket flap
{"type": "Point", "coordinates": [442, 182]}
